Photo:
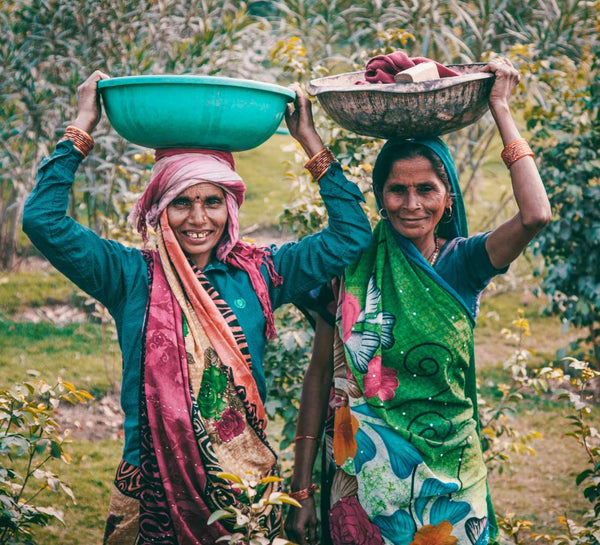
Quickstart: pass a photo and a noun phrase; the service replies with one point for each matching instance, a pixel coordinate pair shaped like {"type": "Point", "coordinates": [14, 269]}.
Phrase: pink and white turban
{"type": "Point", "coordinates": [176, 170]}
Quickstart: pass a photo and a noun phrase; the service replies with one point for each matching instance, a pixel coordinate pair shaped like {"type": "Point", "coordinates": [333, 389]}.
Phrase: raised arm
{"type": "Point", "coordinates": [301, 523]}
{"type": "Point", "coordinates": [508, 240]}
{"type": "Point", "coordinates": [315, 259]}
{"type": "Point", "coordinates": [98, 266]}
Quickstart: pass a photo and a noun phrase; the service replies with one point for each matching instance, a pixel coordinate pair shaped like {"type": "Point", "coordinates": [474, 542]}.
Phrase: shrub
{"type": "Point", "coordinates": [29, 438]}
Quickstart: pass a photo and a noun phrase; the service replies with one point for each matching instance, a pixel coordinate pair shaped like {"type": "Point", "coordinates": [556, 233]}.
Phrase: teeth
{"type": "Point", "coordinates": [197, 235]}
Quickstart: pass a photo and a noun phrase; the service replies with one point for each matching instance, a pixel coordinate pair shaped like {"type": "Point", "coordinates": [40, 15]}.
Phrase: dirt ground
{"type": "Point", "coordinates": [94, 421]}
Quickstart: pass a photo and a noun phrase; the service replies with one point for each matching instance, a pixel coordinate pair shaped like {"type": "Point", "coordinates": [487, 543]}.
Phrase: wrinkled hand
{"type": "Point", "coordinates": [301, 524]}
{"type": "Point", "coordinates": [299, 119]}
{"type": "Point", "coordinates": [507, 78]}
{"type": "Point", "coordinates": [89, 109]}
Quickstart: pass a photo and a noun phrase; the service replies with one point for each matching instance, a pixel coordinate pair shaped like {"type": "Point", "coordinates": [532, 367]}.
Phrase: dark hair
{"type": "Point", "coordinates": [405, 149]}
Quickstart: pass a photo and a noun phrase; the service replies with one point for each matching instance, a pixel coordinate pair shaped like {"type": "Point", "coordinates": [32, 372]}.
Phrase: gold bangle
{"type": "Point", "coordinates": [514, 151]}
{"type": "Point", "coordinates": [82, 141]}
{"type": "Point", "coordinates": [305, 493]}
{"type": "Point", "coordinates": [319, 163]}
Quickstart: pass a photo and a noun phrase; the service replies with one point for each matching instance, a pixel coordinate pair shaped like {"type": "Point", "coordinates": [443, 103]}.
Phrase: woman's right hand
{"type": "Point", "coordinates": [299, 120]}
{"type": "Point", "coordinates": [89, 109]}
{"type": "Point", "coordinates": [301, 524]}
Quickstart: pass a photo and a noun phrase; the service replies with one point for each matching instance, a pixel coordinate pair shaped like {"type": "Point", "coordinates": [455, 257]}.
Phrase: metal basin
{"type": "Point", "coordinates": [405, 110]}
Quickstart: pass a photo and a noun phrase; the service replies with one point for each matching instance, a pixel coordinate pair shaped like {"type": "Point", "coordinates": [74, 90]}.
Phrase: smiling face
{"type": "Point", "coordinates": [415, 198]}
{"type": "Point", "coordinates": [198, 218]}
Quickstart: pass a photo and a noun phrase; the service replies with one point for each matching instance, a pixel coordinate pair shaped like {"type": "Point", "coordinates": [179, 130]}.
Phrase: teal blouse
{"type": "Point", "coordinates": [116, 275]}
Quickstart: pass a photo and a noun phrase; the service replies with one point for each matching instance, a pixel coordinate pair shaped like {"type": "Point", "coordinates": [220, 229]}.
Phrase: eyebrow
{"type": "Point", "coordinates": [404, 184]}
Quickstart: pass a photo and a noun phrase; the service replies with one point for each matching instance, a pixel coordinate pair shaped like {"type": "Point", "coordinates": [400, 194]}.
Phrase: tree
{"type": "Point", "coordinates": [50, 47]}
{"type": "Point", "coordinates": [567, 143]}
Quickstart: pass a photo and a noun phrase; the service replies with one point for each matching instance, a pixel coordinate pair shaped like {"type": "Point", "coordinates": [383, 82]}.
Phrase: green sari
{"type": "Point", "coordinates": [406, 465]}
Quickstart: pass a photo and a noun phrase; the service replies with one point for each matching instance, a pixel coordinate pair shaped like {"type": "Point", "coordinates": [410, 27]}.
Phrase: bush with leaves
{"type": "Point", "coordinates": [29, 438]}
{"type": "Point", "coordinates": [286, 360]}
{"type": "Point", "coordinates": [499, 437]}
{"type": "Point", "coordinates": [579, 379]}
{"type": "Point", "coordinates": [567, 143]}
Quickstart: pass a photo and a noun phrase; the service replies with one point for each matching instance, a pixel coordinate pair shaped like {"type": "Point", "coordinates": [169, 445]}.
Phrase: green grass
{"type": "Point", "coordinates": [90, 475]}
{"type": "Point", "coordinates": [84, 354]}
{"type": "Point", "coordinates": [33, 289]}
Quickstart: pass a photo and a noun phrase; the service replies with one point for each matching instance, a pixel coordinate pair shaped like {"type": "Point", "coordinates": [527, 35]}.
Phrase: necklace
{"type": "Point", "coordinates": [436, 251]}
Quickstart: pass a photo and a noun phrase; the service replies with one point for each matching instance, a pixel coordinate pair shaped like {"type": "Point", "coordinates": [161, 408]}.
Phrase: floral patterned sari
{"type": "Point", "coordinates": [405, 460]}
{"type": "Point", "coordinates": [201, 413]}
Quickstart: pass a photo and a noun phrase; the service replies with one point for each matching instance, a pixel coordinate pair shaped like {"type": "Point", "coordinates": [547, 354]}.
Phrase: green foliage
{"type": "Point", "coordinates": [286, 360]}
{"type": "Point", "coordinates": [567, 142]}
{"type": "Point", "coordinates": [29, 438]}
{"type": "Point", "coordinates": [588, 438]}
{"type": "Point", "coordinates": [500, 438]}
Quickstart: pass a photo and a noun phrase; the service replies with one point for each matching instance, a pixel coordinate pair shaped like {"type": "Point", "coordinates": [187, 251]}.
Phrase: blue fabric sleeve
{"type": "Point", "coordinates": [102, 268]}
{"type": "Point", "coordinates": [465, 264]}
{"type": "Point", "coordinates": [315, 259]}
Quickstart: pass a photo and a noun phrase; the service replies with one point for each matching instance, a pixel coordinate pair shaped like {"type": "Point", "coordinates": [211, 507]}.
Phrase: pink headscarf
{"type": "Point", "coordinates": [177, 169]}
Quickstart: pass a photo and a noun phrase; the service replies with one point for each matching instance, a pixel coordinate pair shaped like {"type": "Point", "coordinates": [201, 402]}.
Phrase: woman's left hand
{"type": "Point", "coordinates": [507, 78]}
{"type": "Point", "coordinates": [301, 524]}
{"type": "Point", "coordinates": [299, 119]}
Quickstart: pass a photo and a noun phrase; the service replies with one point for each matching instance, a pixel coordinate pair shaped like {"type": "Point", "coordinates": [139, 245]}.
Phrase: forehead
{"type": "Point", "coordinates": [202, 190]}
{"type": "Point", "coordinates": [412, 171]}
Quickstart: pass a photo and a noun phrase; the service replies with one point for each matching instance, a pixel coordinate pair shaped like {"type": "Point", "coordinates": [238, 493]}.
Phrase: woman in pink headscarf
{"type": "Point", "coordinates": [193, 313]}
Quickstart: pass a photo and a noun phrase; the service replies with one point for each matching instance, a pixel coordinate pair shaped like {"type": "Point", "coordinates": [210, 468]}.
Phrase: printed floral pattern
{"type": "Point", "coordinates": [380, 381]}
{"type": "Point", "coordinates": [344, 440]}
{"type": "Point", "coordinates": [441, 534]}
{"type": "Point", "coordinates": [350, 312]}
{"type": "Point", "coordinates": [350, 525]}
{"type": "Point", "coordinates": [366, 330]}
{"type": "Point", "coordinates": [210, 398]}
{"type": "Point", "coordinates": [230, 425]}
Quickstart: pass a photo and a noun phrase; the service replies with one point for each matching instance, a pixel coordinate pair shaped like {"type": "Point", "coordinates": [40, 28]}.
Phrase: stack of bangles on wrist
{"type": "Point", "coordinates": [82, 141]}
{"type": "Point", "coordinates": [305, 493]}
{"type": "Point", "coordinates": [319, 163]}
{"type": "Point", "coordinates": [514, 151]}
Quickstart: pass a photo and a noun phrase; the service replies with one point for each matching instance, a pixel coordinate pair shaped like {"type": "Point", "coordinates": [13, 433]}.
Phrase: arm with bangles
{"type": "Point", "coordinates": [313, 260]}
{"type": "Point", "coordinates": [300, 525]}
{"type": "Point", "coordinates": [507, 241]}
{"type": "Point", "coordinates": [101, 267]}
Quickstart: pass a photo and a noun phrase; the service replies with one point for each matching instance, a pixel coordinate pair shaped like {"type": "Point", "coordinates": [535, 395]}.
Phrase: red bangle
{"type": "Point", "coordinates": [514, 151]}
{"type": "Point", "coordinates": [82, 141]}
{"type": "Point", "coordinates": [319, 163]}
{"type": "Point", "coordinates": [305, 493]}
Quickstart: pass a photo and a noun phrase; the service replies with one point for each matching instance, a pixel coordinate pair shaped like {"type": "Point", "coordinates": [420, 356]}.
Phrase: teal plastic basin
{"type": "Point", "coordinates": [194, 111]}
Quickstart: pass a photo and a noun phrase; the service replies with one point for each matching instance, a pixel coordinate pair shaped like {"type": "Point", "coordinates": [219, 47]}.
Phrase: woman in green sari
{"type": "Point", "coordinates": [404, 459]}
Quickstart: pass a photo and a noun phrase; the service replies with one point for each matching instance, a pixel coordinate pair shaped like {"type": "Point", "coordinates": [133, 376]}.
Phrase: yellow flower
{"type": "Point", "coordinates": [441, 534]}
